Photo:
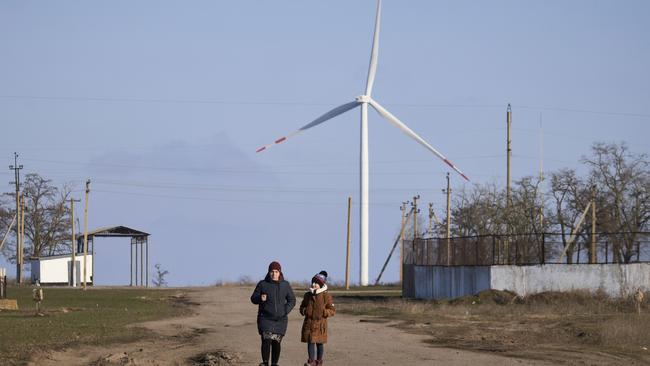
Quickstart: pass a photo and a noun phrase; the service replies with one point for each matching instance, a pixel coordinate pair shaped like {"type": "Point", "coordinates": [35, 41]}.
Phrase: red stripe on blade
{"type": "Point", "coordinates": [261, 149]}
{"type": "Point", "coordinates": [449, 163]}
{"type": "Point", "coordinates": [280, 140]}
{"type": "Point", "coordinates": [464, 176]}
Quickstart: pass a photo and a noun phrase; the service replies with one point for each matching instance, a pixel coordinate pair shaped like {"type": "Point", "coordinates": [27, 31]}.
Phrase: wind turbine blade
{"type": "Point", "coordinates": [372, 70]}
{"type": "Point", "coordinates": [329, 115]}
{"type": "Point", "coordinates": [399, 124]}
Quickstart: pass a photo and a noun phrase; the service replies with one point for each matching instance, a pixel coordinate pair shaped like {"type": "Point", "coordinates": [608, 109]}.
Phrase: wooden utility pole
{"type": "Point", "coordinates": [11, 226]}
{"type": "Point", "coordinates": [415, 216]}
{"type": "Point", "coordinates": [541, 173]}
{"type": "Point", "coordinates": [22, 233]}
{"type": "Point", "coordinates": [593, 257]}
{"type": "Point", "coordinates": [347, 252]}
{"type": "Point", "coordinates": [19, 241]}
{"type": "Point", "coordinates": [430, 230]}
{"type": "Point", "coordinates": [16, 168]}
{"type": "Point", "coordinates": [509, 151]}
{"type": "Point", "coordinates": [575, 231]}
{"type": "Point", "coordinates": [86, 232]}
{"type": "Point", "coordinates": [448, 235]}
{"type": "Point", "coordinates": [401, 238]}
{"type": "Point", "coordinates": [397, 241]}
{"type": "Point", "coordinates": [73, 267]}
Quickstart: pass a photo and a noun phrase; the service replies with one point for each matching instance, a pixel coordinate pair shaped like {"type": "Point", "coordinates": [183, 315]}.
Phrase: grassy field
{"type": "Point", "coordinates": [73, 316]}
{"type": "Point", "coordinates": [551, 326]}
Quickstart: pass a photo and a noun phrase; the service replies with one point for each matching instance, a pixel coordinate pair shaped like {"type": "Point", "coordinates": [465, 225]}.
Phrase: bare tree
{"type": "Point", "coordinates": [478, 211]}
{"type": "Point", "coordinates": [47, 218]}
{"type": "Point", "coordinates": [571, 196]}
{"type": "Point", "coordinates": [623, 182]}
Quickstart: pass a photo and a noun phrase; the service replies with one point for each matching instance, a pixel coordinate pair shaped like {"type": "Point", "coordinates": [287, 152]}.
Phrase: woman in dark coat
{"type": "Point", "coordinates": [275, 299]}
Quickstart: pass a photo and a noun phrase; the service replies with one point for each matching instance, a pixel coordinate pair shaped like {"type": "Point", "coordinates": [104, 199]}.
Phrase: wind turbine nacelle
{"type": "Point", "coordinates": [362, 99]}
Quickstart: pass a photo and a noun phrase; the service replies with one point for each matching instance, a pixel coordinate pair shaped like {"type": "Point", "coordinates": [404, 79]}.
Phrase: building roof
{"type": "Point", "coordinates": [117, 231]}
{"type": "Point", "coordinates": [55, 256]}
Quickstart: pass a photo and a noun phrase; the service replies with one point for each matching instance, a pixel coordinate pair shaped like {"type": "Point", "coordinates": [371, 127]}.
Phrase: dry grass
{"type": "Point", "coordinates": [500, 321]}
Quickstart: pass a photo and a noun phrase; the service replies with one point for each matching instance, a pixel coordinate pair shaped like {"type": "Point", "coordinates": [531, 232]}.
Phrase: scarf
{"type": "Point", "coordinates": [317, 291]}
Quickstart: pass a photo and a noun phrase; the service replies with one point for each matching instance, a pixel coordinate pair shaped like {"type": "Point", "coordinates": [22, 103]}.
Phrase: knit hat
{"type": "Point", "coordinates": [324, 273]}
{"type": "Point", "coordinates": [275, 265]}
{"type": "Point", "coordinates": [319, 279]}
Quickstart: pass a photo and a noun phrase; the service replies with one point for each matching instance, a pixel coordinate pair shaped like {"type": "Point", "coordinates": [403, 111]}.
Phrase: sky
{"type": "Point", "coordinates": [162, 104]}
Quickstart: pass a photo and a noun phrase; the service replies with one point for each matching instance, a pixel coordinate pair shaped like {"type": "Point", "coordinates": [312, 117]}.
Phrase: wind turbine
{"type": "Point", "coordinates": [363, 101]}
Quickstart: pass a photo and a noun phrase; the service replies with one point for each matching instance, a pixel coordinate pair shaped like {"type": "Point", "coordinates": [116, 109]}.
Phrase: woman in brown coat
{"type": "Point", "coordinates": [316, 307]}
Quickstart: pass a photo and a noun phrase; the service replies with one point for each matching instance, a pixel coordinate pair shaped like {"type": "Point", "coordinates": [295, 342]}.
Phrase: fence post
{"type": "Point", "coordinates": [517, 252]}
{"type": "Point", "coordinates": [464, 260]}
{"type": "Point", "coordinates": [3, 284]}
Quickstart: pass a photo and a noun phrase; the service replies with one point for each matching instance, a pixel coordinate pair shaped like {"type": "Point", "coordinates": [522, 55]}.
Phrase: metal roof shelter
{"type": "Point", "coordinates": [137, 238]}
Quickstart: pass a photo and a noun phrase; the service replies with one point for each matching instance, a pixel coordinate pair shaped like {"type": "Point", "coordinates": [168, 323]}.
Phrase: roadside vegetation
{"type": "Point", "coordinates": [553, 326]}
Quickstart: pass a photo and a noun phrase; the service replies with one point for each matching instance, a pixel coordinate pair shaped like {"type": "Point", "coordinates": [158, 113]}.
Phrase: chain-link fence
{"type": "Point", "coordinates": [528, 249]}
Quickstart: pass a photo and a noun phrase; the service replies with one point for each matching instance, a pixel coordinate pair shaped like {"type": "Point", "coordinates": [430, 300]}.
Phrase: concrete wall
{"type": "Point", "coordinates": [440, 282]}
{"type": "Point", "coordinates": [615, 279]}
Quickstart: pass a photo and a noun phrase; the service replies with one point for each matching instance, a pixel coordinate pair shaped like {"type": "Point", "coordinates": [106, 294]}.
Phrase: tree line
{"type": "Point", "coordinates": [617, 180]}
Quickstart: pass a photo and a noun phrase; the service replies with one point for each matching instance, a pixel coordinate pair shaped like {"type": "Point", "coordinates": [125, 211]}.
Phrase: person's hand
{"type": "Point", "coordinates": [263, 297]}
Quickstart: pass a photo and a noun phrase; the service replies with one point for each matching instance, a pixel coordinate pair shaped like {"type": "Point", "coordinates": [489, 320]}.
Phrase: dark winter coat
{"type": "Point", "coordinates": [316, 309]}
{"type": "Point", "coordinates": [272, 313]}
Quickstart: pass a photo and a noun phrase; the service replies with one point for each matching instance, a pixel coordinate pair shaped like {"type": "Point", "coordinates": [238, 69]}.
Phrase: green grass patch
{"type": "Point", "coordinates": [73, 317]}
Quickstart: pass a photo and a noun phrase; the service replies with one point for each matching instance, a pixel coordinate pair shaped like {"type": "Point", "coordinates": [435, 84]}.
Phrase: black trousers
{"type": "Point", "coordinates": [272, 348]}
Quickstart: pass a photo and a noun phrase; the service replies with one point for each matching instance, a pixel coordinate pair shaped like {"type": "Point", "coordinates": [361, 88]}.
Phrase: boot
{"type": "Point", "coordinates": [310, 362]}
{"type": "Point", "coordinates": [318, 363]}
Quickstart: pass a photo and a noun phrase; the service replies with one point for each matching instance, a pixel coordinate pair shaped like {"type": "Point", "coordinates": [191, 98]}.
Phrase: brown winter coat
{"type": "Point", "coordinates": [316, 309]}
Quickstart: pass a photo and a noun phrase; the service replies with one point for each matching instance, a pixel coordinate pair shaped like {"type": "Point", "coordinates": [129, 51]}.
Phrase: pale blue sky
{"type": "Point", "coordinates": [162, 105]}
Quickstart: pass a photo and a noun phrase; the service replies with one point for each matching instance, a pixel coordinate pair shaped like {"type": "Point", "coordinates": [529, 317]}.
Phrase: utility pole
{"type": "Point", "coordinates": [430, 230]}
{"type": "Point", "coordinates": [22, 232]}
{"type": "Point", "coordinates": [73, 267]}
{"type": "Point", "coordinates": [415, 216]}
{"type": "Point", "coordinates": [541, 172]}
{"type": "Point", "coordinates": [509, 151]}
{"type": "Point", "coordinates": [19, 269]}
{"type": "Point", "coordinates": [347, 253]}
{"type": "Point", "coordinates": [593, 258]}
{"type": "Point", "coordinates": [401, 254]}
{"type": "Point", "coordinates": [86, 232]}
{"type": "Point", "coordinates": [448, 236]}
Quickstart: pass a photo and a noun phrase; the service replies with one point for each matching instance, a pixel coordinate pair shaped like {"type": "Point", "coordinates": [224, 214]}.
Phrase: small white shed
{"type": "Point", "coordinates": [57, 269]}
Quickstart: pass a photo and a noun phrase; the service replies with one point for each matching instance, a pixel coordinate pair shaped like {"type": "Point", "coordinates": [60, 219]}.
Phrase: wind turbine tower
{"type": "Point", "coordinates": [363, 101]}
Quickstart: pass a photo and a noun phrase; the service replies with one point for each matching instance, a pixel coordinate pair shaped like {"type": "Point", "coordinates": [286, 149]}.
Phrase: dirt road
{"type": "Point", "coordinates": [224, 324]}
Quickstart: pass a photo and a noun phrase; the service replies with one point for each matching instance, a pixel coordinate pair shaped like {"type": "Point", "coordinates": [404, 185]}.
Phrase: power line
{"type": "Point", "coordinates": [253, 201]}
{"type": "Point", "coordinates": [302, 104]}
{"type": "Point", "coordinates": [250, 171]}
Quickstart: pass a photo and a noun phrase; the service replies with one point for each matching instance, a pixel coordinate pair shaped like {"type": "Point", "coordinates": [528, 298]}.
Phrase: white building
{"type": "Point", "coordinates": [57, 270]}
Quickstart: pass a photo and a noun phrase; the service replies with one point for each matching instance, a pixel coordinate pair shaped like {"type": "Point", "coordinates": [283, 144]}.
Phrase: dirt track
{"type": "Point", "coordinates": [225, 322]}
